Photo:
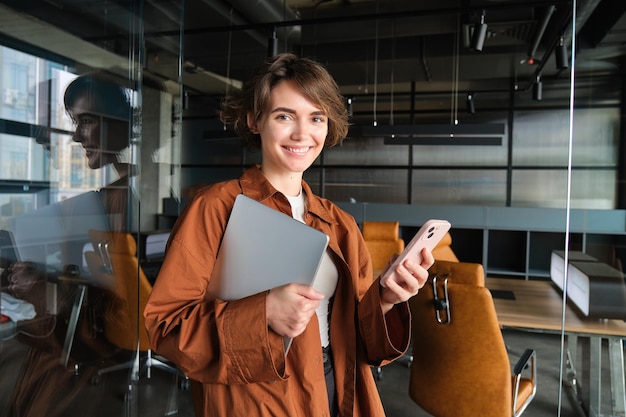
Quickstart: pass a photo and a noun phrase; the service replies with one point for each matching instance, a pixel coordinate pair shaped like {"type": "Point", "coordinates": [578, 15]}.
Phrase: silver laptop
{"type": "Point", "coordinates": [263, 248]}
{"type": "Point", "coordinates": [53, 236]}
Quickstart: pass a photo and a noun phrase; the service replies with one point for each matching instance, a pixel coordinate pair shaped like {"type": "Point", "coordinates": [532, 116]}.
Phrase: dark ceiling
{"type": "Point", "coordinates": [391, 56]}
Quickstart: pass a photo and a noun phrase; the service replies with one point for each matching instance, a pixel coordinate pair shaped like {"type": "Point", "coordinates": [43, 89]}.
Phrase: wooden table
{"type": "Point", "coordinates": [538, 306]}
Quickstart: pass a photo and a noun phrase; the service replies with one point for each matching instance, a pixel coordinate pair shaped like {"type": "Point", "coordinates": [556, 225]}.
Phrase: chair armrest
{"type": "Point", "coordinates": [527, 357]}
{"type": "Point", "coordinates": [524, 389]}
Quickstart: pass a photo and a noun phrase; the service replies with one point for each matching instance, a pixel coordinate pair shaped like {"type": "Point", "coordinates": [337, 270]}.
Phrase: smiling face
{"type": "Point", "coordinates": [101, 138]}
{"type": "Point", "coordinates": [293, 131]}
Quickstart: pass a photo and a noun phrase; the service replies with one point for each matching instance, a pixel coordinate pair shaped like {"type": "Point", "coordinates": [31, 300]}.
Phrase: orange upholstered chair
{"type": "Point", "coordinates": [382, 241]}
{"type": "Point", "coordinates": [460, 365]}
{"type": "Point", "coordinates": [115, 261]}
{"type": "Point", "coordinates": [443, 251]}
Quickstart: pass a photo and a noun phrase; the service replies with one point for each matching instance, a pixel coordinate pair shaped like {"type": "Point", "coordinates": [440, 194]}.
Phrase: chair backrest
{"type": "Point", "coordinates": [460, 363]}
{"type": "Point", "coordinates": [468, 273]}
{"type": "Point", "coordinates": [443, 251]}
{"type": "Point", "coordinates": [382, 241]}
{"type": "Point", "coordinates": [116, 260]}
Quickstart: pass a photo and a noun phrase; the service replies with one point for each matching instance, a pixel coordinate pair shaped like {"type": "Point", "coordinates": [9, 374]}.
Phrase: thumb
{"type": "Point", "coordinates": [311, 293]}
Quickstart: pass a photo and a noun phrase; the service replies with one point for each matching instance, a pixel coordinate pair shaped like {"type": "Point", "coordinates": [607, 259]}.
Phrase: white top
{"type": "Point", "coordinates": [327, 274]}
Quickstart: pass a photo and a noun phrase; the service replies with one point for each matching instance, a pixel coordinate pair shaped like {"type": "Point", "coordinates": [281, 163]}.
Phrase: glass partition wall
{"type": "Point", "coordinates": [107, 128]}
{"type": "Point", "coordinates": [594, 280]}
{"type": "Point", "coordinates": [88, 144]}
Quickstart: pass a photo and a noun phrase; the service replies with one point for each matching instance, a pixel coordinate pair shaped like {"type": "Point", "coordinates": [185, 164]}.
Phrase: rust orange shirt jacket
{"type": "Point", "coordinates": [236, 363]}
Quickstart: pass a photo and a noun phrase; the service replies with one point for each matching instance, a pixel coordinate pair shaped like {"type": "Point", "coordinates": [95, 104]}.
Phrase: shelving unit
{"type": "Point", "coordinates": [511, 242]}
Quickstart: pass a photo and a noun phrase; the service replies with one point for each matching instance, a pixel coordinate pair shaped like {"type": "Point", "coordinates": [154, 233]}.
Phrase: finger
{"type": "Point", "coordinates": [413, 277]}
{"type": "Point", "coordinates": [395, 293]}
{"type": "Point", "coordinates": [308, 291]}
{"type": "Point", "coordinates": [427, 258]}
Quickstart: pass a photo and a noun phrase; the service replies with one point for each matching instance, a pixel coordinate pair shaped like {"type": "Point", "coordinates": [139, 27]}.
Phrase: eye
{"type": "Point", "coordinates": [319, 119]}
{"type": "Point", "coordinates": [86, 120]}
{"type": "Point", "coordinates": [283, 116]}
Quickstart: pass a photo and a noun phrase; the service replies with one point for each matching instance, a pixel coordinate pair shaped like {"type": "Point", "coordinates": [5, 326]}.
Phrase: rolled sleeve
{"type": "Point", "coordinates": [386, 336]}
{"type": "Point", "coordinates": [255, 353]}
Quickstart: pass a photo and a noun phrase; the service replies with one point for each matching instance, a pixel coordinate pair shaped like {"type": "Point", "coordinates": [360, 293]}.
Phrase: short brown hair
{"type": "Point", "coordinates": [317, 85]}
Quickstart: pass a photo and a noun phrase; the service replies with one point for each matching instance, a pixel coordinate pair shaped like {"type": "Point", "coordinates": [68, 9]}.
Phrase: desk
{"type": "Point", "coordinates": [537, 306]}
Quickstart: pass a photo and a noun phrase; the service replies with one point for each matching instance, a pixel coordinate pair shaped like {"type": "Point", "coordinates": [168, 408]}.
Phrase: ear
{"type": "Point", "coordinates": [252, 125]}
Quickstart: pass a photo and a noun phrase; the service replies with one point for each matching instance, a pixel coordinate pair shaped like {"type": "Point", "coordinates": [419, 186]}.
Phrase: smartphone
{"type": "Point", "coordinates": [426, 237]}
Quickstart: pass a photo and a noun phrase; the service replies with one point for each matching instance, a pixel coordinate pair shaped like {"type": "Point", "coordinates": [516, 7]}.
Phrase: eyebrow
{"type": "Point", "coordinates": [82, 113]}
{"type": "Point", "coordinates": [288, 110]}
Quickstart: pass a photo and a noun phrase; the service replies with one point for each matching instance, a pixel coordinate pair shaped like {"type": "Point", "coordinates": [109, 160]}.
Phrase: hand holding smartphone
{"type": "Point", "coordinates": [426, 237]}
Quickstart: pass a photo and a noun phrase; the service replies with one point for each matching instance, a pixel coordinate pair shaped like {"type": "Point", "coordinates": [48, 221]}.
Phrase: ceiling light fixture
{"type": "Point", "coordinates": [185, 99]}
{"type": "Point", "coordinates": [391, 81]}
{"type": "Point", "coordinates": [479, 34]}
{"type": "Point", "coordinates": [375, 101]}
{"type": "Point", "coordinates": [538, 89]}
{"type": "Point", "coordinates": [454, 96]}
{"type": "Point", "coordinates": [477, 134]}
{"type": "Point", "coordinates": [446, 141]}
{"type": "Point", "coordinates": [469, 129]}
{"type": "Point", "coordinates": [469, 101]}
{"type": "Point", "coordinates": [486, 134]}
{"type": "Point", "coordinates": [229, 49]}
{"type": "Point", "coordinates": [272, 44]}
{"type": "Point", "coordinates": [560, 55]}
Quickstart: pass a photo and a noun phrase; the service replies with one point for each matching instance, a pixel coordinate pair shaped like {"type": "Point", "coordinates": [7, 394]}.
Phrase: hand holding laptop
{"type": "Point", "coordinates": [290, 308]}
{"type": "Point", "coordinates": [286, 250]}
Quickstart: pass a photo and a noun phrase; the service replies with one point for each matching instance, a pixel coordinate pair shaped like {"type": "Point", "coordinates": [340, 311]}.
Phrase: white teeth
{"type": "Point", "coordinates": [298, 150]}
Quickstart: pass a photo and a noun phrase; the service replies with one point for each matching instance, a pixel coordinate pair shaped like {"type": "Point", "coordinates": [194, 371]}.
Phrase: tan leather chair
{"type": "Point", "coordinates": [382, 241]}
{"type": "Point", "coordinates": [443, 251]}
{"type": "Point", "coordinates": [460, 365]}
{"type": "Point", "coordinates": [115, 262]}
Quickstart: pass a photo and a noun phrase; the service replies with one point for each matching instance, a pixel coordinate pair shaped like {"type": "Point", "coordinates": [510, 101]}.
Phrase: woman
{"type": "Point", "coordinates": [102, 112]}
{"type": "Point", "coordinates": [233, 351]}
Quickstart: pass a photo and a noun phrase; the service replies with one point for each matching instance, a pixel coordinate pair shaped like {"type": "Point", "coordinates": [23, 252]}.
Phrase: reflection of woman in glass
{"type": "Point", "coordinates": [102, 111]}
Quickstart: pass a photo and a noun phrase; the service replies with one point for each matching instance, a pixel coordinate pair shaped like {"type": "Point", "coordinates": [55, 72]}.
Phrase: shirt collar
{"type": "Point", "coordinates": [256, 186]}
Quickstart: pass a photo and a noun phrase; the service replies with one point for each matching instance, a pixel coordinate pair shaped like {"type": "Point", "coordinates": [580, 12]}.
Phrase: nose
{"type": "Point", "coordinates": [300, 130]}
{"type": "Point", "coordinates": [77, 136]}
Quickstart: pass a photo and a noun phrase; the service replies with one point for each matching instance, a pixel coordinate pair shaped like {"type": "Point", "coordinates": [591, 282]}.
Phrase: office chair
{"type": "Point", "coordinates": [382, 241]}
{"type": "Point", "coordinates": [115, 260]}
{"type": "Point", "coordinates": [460, 365]}
{"type": "Point", "coordinates": [443, 251]}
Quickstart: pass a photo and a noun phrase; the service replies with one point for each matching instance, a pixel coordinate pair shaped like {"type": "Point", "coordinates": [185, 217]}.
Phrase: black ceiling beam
{"type": "Point", "coordinates": [600, 23]}
{"type": "Point", "coordinates": [561, 27]}
{"type": "Point", "coordinates": [446, 141]}
{"type": "Point", "coordinates": [470, 129]}
{"type": "Point", "coordinates": [268, 26]}
{"type": "Point", "coordinates": [543, 24]}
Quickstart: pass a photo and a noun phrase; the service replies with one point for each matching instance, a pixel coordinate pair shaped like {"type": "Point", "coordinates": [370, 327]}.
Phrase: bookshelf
{"type": "Point", "coordinates": [511, 242]}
